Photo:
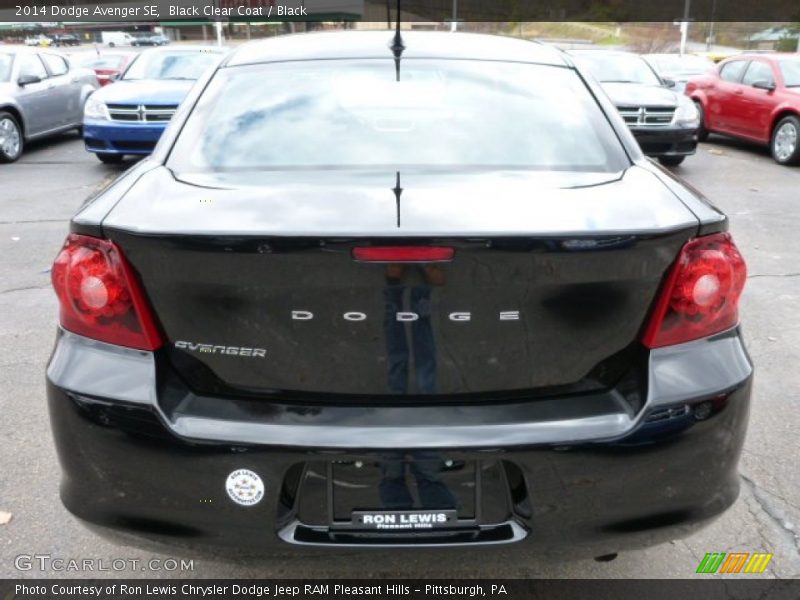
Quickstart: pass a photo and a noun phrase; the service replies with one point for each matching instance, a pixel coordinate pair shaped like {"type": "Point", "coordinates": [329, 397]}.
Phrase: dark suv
{"type": "Point", "coordinates": [66, 39]}
{"type": "Point", "coordinates": [373, 292]}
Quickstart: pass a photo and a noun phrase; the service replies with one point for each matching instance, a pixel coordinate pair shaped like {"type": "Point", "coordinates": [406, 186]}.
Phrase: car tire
{"type": "Point", "coordinates": [785, 142]}
{"type": "Point", "coordinates": [671, 161]}
{"type": "Point", "coordinates": [110, 159]}
{"type": "Point", "coordinates": [11, 139]}
{"type": "Point", "coordinates": [702, 132]}
{"type": "Point", "coordinates": [111, 44]}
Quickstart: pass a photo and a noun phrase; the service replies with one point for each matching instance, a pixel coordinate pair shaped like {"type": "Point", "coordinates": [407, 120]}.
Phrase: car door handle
{"type": "Point", "coordinates": [75, 79]}
{"type": "Point", "coordinates": [738, 92]}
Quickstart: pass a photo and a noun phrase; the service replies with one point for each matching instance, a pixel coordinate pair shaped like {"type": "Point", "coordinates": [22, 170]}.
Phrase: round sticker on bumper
{"type": "Point", "coordinates": [245, 487]}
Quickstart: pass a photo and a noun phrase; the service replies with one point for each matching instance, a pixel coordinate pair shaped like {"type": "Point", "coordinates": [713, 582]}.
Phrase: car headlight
{"type": "Point", "coordinates": [95, 109]}
{"type": "Point", "coordinates": [686, 114]}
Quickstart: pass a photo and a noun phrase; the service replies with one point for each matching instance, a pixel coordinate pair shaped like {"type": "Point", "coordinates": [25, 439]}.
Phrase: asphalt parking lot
{"type": "Point", "coordinates": [39, 193]}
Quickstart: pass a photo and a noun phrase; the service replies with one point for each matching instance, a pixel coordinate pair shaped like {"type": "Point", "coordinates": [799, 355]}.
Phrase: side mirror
{"type": "Point", "coordinates": [670, 83]}
{"type": "Point", "coordinates": [764, 85]}
{"type": "Point", "coordinates": [28, 79]}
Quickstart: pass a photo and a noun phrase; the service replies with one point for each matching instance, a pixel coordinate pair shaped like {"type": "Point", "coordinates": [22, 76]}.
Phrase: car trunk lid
{"type": "Point", "coordinates": [257, 289]}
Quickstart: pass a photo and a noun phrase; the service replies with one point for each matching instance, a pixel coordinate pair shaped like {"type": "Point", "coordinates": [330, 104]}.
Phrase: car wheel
{"type": "Point", "coordinates": [110, 159]}
{"type": "Point", "coordinates": [786, 141]}
{"type": "Point", "coordinates": [111, 44]}
{"type": "Point", "coordinates": [671, 161]}
{"type": "Point", "coordinates": [10, 138]}
{"type": "Point", "coordinates": [702, 132]}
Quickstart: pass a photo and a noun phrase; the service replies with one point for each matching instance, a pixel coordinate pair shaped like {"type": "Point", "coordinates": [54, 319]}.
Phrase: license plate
{"type": "Point", "coordinates": [404, 520]}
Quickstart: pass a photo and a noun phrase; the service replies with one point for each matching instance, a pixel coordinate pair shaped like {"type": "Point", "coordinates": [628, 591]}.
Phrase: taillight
{"type": "Point", "coordinates": [396, 254]}
{"type": "Point", "coordinates": [701, 294]}
{"type": "Point", "coordinates": [99, 296]}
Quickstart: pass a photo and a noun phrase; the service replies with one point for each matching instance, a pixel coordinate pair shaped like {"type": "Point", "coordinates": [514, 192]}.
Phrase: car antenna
{"type": "Point", "coordinates": [398, 191]}
{"type": "Point", "coordinates": [397, 48]}
{"type": "Point", "coordinates": [397, 43]}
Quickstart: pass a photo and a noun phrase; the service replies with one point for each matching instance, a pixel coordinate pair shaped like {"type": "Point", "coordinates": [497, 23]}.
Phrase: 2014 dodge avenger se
{"type": "Point", "coordinates": [374, 290]}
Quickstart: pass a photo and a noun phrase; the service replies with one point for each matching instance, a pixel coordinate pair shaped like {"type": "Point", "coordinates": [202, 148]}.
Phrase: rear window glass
{"type": "Point", "coordinates": [5, 66]}
{"type": "Point", "coordinates": [342, 113]}
{"type": "Point", "coordinates": [790, 69]}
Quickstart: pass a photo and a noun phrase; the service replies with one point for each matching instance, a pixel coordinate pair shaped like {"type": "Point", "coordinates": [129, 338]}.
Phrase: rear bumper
{"type": "Point", "coordinates": [151, 460]}
{"type": "Point", "coordinates": [108, 137]}
{"type": "Point", "coordinates": [667, 141]}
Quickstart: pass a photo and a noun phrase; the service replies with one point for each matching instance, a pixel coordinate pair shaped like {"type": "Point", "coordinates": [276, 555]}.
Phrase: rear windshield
{"type": "Point", "coordinates": [354, 113]}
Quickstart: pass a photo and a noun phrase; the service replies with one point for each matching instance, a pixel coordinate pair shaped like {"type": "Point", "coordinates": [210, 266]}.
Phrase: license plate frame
{"type": "Point", "coordinates": [446, 519]}
{"type": "Point", "coordinates": [425, 519]}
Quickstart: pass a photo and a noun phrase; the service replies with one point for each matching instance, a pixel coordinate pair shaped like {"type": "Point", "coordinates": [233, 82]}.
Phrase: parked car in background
{"type": "Point", "coordinates": [107, 65]}
{"type": "Point", "coordinates": [442, 300]}
{"type": "Point", "coordinates": [40, 94]}
{"type": "Point", "coordinates": [678, 68]}
{"type": "Point", "coordinates": [754, 97]}
{"type": "Point", "coordinates": [150, 40]}
{"type": "Point", "coordinates": [116, 38]}
{"type": "Point", "coordinates": [130, 116]}
{"type": "Point", "coordinates": [663, 121]}
{"type": "Point", "coordinates": [66, 39]}
{"type": "Point", "coordinates": [38, 40]}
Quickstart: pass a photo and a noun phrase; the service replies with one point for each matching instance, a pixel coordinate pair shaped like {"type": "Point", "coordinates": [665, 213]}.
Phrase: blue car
{"type": "Point", "coordinates": [129, 116]}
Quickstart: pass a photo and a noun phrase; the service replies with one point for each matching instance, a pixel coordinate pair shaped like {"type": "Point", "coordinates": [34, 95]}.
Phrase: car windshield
{"type": "Point", "coordinates": [5, 66]}
{"type": "Point", "coordinates": [618, 68]}
{"type": "Point", "coordinates": [674, 63]}
{"type": "Point", "coordinates": [355, 114]}
{"type": "Point", "coordinates": [171, 65]}
{"type": "Point", "coordinates": [790, 69]}
{"type": "Point", "coordinates": [106, 61]}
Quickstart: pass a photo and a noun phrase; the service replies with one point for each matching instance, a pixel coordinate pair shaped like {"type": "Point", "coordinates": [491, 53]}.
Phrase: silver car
{"type": "Point", "coordinates": [40, 94]}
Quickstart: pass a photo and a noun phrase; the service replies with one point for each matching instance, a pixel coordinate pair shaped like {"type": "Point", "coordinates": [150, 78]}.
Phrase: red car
{"type": "Point", "coordinates": [755, 97]}
{"type": "Point", "coordinates": [106, 66]}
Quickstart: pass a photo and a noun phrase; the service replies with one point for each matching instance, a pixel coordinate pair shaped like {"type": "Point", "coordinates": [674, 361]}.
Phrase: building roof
{"type": "Point", "coordinates": [754, 54]}
{"type": "Point", "coordinates": [375, 44]}
{"type": "Point", "coordinates": [774, 34]}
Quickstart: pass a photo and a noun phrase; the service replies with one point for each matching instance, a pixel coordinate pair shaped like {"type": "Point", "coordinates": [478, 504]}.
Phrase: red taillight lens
{"type": "Point", "coordinates": [99, 296]}
{"type": "Point", "coordinates": [701, 294]}
{"type": "Point", "coordinates": [395, 254]}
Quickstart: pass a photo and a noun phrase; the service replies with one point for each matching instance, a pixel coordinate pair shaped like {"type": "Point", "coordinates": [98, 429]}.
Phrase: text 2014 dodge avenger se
{"type": "Point", "coordinates": [380, 292]}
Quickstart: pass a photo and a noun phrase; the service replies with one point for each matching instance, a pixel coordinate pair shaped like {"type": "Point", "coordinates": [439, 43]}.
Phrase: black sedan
{"type": "Point", "coordinates": [663, 120]}
{"type": "Point", "coordinates": [66, 39]}
{"type": "Point", "coordinates": [374, 292]}
{"type": "Point", "coordinates": [150, 40]}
